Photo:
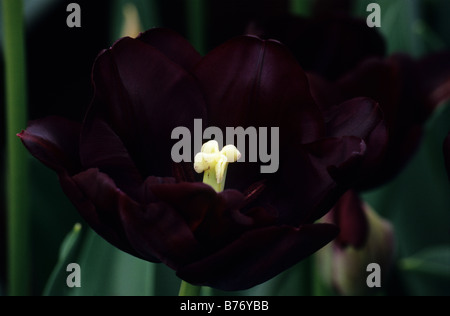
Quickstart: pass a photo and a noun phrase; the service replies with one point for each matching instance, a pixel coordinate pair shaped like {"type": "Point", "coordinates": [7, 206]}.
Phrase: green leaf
{"type": "Point", "coordinates": [433, 261]}
{"type": "Point", "coordinates": [67, 254]}
{"type": "Point", "coordinates": [401, 24]}
{"type": "Point", "coordinates": [52, 216]}
{"type": "Point", "coordinates": [107, 271]}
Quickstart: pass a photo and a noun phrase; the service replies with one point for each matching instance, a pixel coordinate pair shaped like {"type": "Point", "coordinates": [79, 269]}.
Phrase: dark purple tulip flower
{"type": "Point", "coordinates": [116, 167]}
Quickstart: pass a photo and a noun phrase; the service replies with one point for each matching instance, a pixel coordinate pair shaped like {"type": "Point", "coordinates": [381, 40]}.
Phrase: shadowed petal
{"type": "Point", "coordinates": [143, 96]}
{"type": "Point", "coordinates": [336, 162]}
{"type": "Point", "coordinates": [101, 148]}
{"type": "Point", "coordinates": [173, 46]}
{"type": "Point", "coordinates": [215, 218]}
{"type": "Point", "coordinates": [54, 141]}
{"type": "Point", "coordinates": [258, 256]}
{"type": "Point", "coordinates": [394, 84]}
{"type": "Point", "coordinates": [191, 200]}
{"type": "Point", "coordinates": [96, 197]}
{"type": "Point", "coordinates": [250, 82]}
{"type": "Point", "coordinates": [158, 230]}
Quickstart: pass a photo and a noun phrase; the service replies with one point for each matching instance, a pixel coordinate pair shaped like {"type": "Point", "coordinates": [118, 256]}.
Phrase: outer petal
{"type": "Point", "coordinates": [434, 75]}
{"type": "Point", "coordinates": [158, 230]}
{"type": "Point", "coordinates": [143, 96]}
{"type": "Point", "coordinates": [257, 256]}
{"type": "Point", "coordinates": [360, 117]}
{"type": "Point", "coordinates": [337, 162]}
{"type": "Point", "coordinates": [97, 198]}
{"type": "Point", "coordinates": [54, 141]}
{"type": "Point", "coordinates": [173, 46]}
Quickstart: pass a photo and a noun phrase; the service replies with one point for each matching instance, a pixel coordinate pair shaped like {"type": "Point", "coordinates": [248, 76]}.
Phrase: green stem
{"type": "Point", "coordinates": [17, 158]}
{"type": "Point", "coordinates": [307, 278]}
{"type": "Point", "coordinates": [196, 24]}
{"type": "Point", "coordinates": [187, 289]}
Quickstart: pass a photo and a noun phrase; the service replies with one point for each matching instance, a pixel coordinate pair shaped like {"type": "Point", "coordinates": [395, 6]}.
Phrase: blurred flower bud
{"type": "Point", "coordinates": [131, 22]}
{"type": "Point", "coordinates": [344, 263]}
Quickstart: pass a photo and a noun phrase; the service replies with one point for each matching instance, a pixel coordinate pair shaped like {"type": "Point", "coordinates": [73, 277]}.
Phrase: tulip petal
{"type": "Point", "coordinates": [171, 44]}
{"type": "Point", "coordinates": [336, 162]}
{"type": "Point", "coordinates": [96, 198]}
{"type": "Point", "coordinates": [360, 117]}
{"type": "Point", "coordinates": [329, 45]}
{"type": "Point", "coordinates": [394, 84]}
{"type": "Point", "coordinates": [101, 148]}
{"type": "Point", "coordinates": [357, 117]}
{"type": "Point", "coordinates": [191, 200]}
{"type": "Point", "coordinates": [144, 96]}
{"type": "Point", "coordinates": [54, 141]}
{"type": "Point", "coordinates": [158, 230]}
{"type": "Point", "coordinates": [215, 218]}
{"type": "Point", "coordinates": [257, 256]}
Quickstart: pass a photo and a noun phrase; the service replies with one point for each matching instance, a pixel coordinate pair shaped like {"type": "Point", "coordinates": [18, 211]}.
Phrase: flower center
{"type": "Point", "coordinates": [214, 163]}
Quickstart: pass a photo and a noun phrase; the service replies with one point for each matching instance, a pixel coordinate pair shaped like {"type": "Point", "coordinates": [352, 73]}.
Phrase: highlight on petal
{"type": "Point", "coordinates": [54, 141]}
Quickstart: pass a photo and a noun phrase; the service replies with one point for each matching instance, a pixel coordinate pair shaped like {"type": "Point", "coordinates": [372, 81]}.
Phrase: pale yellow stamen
{"type": "Point", "coordinates": [214, 163]}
